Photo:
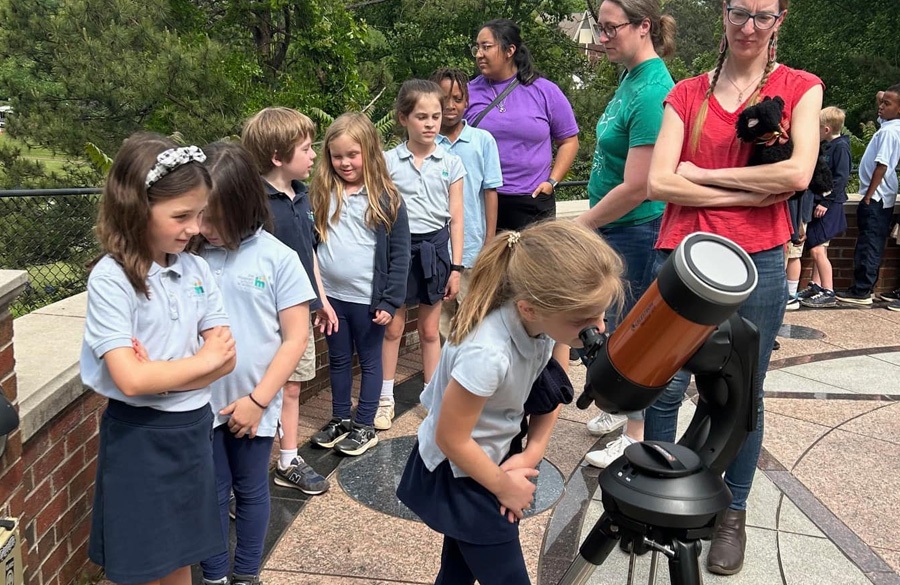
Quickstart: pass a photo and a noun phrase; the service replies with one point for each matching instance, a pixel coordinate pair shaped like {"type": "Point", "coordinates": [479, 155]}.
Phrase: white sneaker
{"type": "Point", "coordinates": [613, 451]}
{"type": "Point", "coordinates": [606, 423]}
{"type": "Point", "coordinates": [384, 415]}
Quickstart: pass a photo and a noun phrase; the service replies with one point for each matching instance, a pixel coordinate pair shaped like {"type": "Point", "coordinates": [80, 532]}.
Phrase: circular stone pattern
{"type": "Point", "coordinates": [372, 478]}
{"type": "Point", "coordinates": [800, 332]}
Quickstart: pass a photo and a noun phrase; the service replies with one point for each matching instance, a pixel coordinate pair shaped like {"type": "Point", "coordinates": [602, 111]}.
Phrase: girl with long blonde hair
{"type": "Point", "coordinates": [363, 255]}
{"type": "Point", "coordinates": [462, 479]}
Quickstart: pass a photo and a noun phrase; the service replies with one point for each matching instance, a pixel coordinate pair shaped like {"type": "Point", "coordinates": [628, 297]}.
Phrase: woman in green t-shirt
{"type": "Point", "coordinates": [635, 34]}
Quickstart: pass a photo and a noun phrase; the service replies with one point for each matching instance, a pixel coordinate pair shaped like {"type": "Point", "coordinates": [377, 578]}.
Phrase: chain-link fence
{"type": "Point", "coordinates": [49, 233]}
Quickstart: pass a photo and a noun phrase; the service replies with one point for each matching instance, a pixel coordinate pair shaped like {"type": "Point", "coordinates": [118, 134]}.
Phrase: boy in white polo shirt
{"type": "Point", "coordinates": [878, 186]}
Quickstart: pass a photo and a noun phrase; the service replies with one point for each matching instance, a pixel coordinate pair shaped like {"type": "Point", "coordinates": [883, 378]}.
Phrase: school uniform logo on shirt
{"type": "Point", "coordinates": [198, 287]}
{"type": "Point", "coordinates": [254, 282]}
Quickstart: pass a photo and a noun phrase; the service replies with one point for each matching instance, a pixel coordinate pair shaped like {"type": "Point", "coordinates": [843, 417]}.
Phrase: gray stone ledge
{"type": "Point", "coordinates": [47, 346]}
{"type": "Point", "coordinates": [11, 284]}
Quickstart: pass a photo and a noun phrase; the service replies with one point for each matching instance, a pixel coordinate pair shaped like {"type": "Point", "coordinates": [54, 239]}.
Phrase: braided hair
{"type": "Point", "coordinates": [457, 79]}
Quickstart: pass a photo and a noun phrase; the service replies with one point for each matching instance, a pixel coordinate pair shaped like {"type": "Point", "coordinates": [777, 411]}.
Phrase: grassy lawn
{"type": "Point", "coordinates": [51, 161]}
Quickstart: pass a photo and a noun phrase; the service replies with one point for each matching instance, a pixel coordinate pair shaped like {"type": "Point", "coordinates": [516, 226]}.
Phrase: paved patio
{"type": "Point", "coordinates": [822, 511]}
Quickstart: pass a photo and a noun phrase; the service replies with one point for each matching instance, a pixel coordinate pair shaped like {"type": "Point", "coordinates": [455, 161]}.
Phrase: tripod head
{"type": "Point", "coordinates": [662, 495]}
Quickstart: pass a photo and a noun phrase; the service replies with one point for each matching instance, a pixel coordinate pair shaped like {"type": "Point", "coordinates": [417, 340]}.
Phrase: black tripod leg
{"type": "Point", "coordinates": [684, 565]}
{"type": "Point", "coordinates": [596, 547]}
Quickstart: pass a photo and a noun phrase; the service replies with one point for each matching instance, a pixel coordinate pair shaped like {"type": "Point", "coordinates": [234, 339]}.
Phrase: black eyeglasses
{"type": "Point", "coordinates": [611, 30]}
{"type": "Point", "coordinates": [761, 20]}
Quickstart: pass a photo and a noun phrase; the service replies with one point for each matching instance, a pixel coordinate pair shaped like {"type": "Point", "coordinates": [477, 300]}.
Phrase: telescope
{"type": "Point", "coordinates": [659, 496]}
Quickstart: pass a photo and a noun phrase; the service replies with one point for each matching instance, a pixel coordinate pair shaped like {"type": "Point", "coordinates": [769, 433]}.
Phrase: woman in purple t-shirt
{"type": "Point", "coordinates": [525, 124]}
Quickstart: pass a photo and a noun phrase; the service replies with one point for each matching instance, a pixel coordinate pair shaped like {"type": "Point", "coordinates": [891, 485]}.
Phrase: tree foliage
{"type": "Point", "coordinates": [852, 45]}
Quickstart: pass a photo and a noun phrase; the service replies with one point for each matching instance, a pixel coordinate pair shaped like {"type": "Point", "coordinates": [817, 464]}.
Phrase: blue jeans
{"type": "Point", "coordinates": [242, 466]}
{"type": "Point", "coordinates": [355, 329]}
{"type": "Point", "coordinates": [635, 245]}
{"type": "Point", "coordinates": [765, 309]}
{"type": "Point", "coordinates": [874, 223]}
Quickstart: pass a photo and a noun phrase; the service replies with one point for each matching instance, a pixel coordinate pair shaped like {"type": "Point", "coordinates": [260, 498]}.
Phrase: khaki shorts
{"type": "Point", "coordinates": [796, 251]}
{"type": "Point", "coordinates": [306, 368]}
{"type": "Point", "coordinates": [448, 309]}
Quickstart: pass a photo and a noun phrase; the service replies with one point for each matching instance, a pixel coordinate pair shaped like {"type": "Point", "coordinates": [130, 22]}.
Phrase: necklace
{"type": "Point", "coordinates": [501, 107]}
{"type": "Point", "coordinates": [740, 98]}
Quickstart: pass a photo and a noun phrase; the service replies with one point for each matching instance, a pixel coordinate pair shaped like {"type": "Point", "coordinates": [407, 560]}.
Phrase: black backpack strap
{"type": "Point", "coordinates": [494, 103]}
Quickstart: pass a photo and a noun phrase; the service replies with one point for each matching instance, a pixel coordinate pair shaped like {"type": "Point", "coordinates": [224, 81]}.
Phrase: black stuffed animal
{"type": "Point", "coordinates": [763, 125]}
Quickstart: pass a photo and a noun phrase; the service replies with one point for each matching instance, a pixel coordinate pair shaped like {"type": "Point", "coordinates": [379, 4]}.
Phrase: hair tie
{"type": "Point", "coordinates": [169, 160]}
{"type": "Point", "coordinates": [512, 239]}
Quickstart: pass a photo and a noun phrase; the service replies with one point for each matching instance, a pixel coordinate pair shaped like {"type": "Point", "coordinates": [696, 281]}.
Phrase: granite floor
{"type": "Point", "coordinates": [821, 511]}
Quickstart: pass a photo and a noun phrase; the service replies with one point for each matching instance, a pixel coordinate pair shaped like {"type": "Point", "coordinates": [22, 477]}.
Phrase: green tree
{"type": "Point", "coordinates": [852, 45]}
{"type": "Point", "coordinates": [98, 70]}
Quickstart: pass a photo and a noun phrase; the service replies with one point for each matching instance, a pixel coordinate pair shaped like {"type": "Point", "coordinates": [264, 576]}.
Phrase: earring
{"type": "Point", "coordinates": [723, 45]}
{"type": "Point", "coordinates": [773, 47]}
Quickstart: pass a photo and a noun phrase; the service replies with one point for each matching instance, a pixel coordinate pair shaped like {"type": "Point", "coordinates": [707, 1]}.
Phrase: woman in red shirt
{"type": "Point", "coordinates": [699, 169]}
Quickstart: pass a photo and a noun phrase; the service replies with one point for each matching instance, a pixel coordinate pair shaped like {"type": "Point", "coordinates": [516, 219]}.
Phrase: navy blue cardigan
{"type": "Point", "coordinates": [392, 252]}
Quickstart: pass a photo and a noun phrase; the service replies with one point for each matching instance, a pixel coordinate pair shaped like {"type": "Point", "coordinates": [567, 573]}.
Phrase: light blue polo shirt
{"type": "Point", "coordinates": [347, 257]}
{"type": "Point", "coordinates": [883, 149]}
{"type": "Point", "coordinates": [425, 191]}
{"type": "Point", "coordinates": [259, 279]}
{"type": "Point", "coordinates": [478, 151]}
{"type": "Point", "coordinates": [184, 301]}
{"type": "Point", "coordinates": [500, 361]}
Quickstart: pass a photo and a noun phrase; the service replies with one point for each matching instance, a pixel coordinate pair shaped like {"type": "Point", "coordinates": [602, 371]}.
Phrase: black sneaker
{"type": "Point", "coordinates": [245, 580]}
{"type": "Point", "coordinates": [890, 297]}
{"type": "Point", "coordinates": [300, 475]}
{"type": "Point", "coordinates": [331, 433]}
{"type": "Point", "coordinates": [811, 290]}
{"type": "Point", "coordinates": [854, 297]}
{"type": "Point", "coordinates": [360, 440]}
{"type": "Point", "coordinates": [894, 305]}
{"type": "Point", "coordinates": [825, 298]}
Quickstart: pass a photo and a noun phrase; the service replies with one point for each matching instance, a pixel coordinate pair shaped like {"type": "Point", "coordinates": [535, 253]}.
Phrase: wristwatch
{"type": "Point", "coordinates": [553, 183]}
{"type": "Point", "coordinates": [456, 268]}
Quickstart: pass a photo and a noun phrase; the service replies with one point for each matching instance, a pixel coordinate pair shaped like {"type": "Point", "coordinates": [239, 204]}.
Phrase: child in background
{"type": "Point", "coordinates": [280, 141]}
{"type": "Point", "coordinates": [267, 295]}
{"type": "Point", "coordinates": [148, 305]}
{"type": "Point", "coordinates": [430, 180]}
{"type": "Point", "coordinates": [481, 159]}
{"type": "Point", "coordinates": [878, 184]}
{"type": "Point", "coordinates": [828, 218]}
{"type": "Point", "coordinates": [363, 257]}
{"type": "Point", "coordinates": [460, 478]}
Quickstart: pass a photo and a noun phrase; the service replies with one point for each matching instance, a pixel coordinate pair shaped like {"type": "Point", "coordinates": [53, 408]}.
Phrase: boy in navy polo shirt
{"type": "Point", "coordinates": [280, 140]}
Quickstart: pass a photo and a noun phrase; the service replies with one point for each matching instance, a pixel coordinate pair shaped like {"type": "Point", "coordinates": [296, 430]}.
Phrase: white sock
{"type": "Point", "coordinates": [793, 285]}
{"type": "Point", "coordinates": [286, 457]}
{"type": "Point", "coordinates": [629, 439]}
{"type": "Point", "coordinates": [387, 389]}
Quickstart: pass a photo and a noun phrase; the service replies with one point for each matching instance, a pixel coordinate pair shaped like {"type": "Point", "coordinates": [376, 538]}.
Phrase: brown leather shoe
{"type": "Point", "coordinates": [726, 552]}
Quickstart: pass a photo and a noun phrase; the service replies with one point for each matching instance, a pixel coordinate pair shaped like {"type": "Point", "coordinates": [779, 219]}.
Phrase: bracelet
{"type": "Point", "coordinates": [255, 401]}
{"type": "Point", "coordinates": [457, 268]}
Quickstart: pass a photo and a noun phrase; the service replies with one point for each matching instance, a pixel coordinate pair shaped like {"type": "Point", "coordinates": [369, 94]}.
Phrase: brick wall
{"type": "Point", "coordinates": [48, 483]}
{"type": "Point", "coordinates": [59, 463]}
{"type": "Point", "coordinates": [840, 252]}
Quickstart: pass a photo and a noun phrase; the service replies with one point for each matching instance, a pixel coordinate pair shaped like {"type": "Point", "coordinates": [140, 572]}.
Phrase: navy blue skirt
{"type": "Point", "coordinates": [429, 267]}
{"type": "Point", "coordinates": [458, 507]}
{"type": "Point", "coordinates": [823, 229]}
{"type": "Point", "coordinates": [155, 507]}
